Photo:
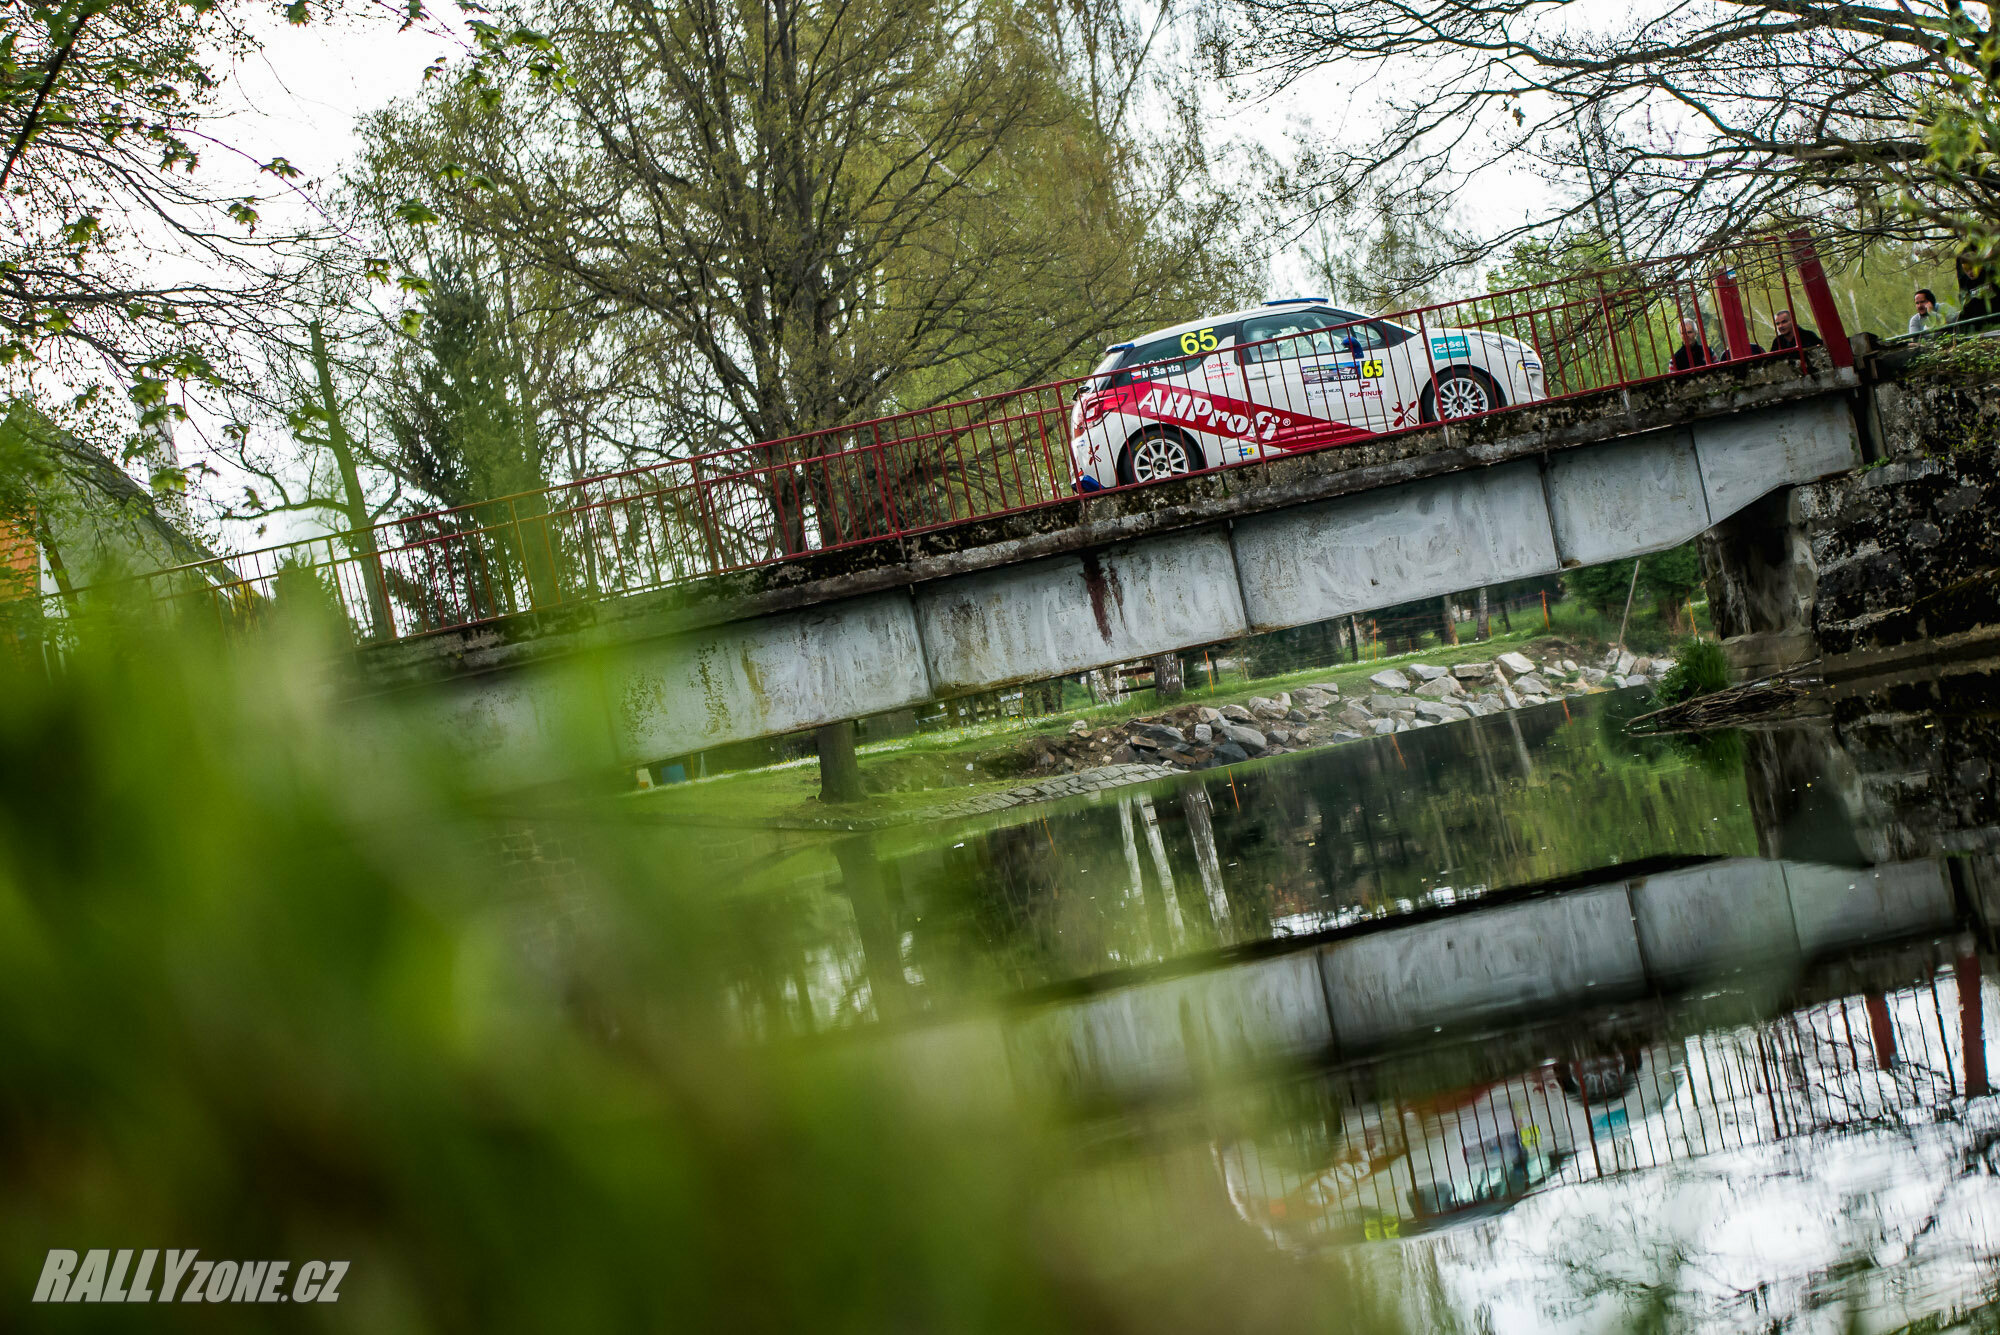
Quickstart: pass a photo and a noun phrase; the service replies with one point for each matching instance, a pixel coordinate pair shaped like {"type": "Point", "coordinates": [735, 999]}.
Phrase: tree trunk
{"type": "Point", "coordinates": [839, 769]}
{"type": "Point", "coordinates": [360, 538]}
{"type": "Point", "coordinates": [1506, 621]}
{"type": "Point", "coordinates": [1450, 622]}
{"type": "Point", "coordinates": [1167, 683]}
{"type": "Point", "coordinates": [1484, 629]}
{"type": "Point", "coordinates": [1354, 636]}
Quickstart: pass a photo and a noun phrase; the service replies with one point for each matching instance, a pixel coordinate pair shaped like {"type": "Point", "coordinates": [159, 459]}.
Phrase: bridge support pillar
{"type": "Point", "coordinates": [1759, 568]}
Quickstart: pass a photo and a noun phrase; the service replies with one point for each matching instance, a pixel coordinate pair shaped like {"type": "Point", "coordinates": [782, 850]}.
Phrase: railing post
{"type": "Point", "coordinates": [1826, 314]}
{"type": "Point", "coordinates": [1729, 304]}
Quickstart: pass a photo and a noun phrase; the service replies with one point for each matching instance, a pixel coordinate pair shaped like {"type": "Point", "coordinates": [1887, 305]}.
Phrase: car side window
{"type": "Point", "coordinates": [1169, 356]}
{"type": "Point", "coordinates": [1297, 334]}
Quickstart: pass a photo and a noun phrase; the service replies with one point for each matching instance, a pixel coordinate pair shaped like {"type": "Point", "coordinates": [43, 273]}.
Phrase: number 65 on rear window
{"type": "Point", "coordinates": [1193, 342]}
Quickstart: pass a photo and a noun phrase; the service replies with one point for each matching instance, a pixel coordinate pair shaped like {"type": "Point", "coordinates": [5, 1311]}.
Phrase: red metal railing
{"type": "Point", "coordinates": [1233, 395]}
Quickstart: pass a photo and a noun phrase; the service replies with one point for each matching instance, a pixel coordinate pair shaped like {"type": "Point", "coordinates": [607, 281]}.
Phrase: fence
{"type": "Point", "coordinates": [1234, 399]}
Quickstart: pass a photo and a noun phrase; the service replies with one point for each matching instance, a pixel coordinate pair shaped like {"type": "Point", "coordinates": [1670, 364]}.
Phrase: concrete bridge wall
{"type": "Point", "coordinates": [1047, 616]}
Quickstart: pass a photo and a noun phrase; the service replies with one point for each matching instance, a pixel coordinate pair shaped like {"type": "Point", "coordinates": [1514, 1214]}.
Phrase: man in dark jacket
{"type": "Point", "coordinates": [1791, 336]}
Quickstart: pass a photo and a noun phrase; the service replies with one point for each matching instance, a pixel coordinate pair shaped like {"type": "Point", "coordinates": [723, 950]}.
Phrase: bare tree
{"type": "Point", "coordinates": [1707, 120]}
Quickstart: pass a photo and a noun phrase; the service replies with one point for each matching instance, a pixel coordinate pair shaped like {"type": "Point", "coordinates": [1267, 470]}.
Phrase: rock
{"type": "Point", "coordinates": [1249, 739]}
{"type": "Point", "coordinates": [1207, 715]}
{"type": "Point", "coordinates": [1440, 688]}
{"type": "Point", "coordinates": [1330, 687]}
{"type": "Point", "coordinates": [1283, 699]}
{"type": "Point", "coordinates": [1530, 684]}
{"type": "Point", "coordinates": [1268, 710]}
{"type": "Point", "coordinates": [1517, 664]}
{"type": "Point", "coordinates": [1474, 672]}
{"type": "Point", "coordinates": [1569, 665]}
{"type": "Point", "coordinates": [1356, 717]}
{"type": "Point", "coordinates": [1382, 704]}
{"type": "Point", "coordinates": [1382, 727]}
{"type": "Point", "coordinates": [1453, 716]}
{"type": "Point", "coordinates": [1157, 732]}
{"type": "Point", "coordinates": [1595, 676]}
{"type": "Point", "coordinates": [1632, 679]}
{"type": "Point", "coordinates": [1296, 716]}
{"type": "Point", "coordinates": [1277, 737]}
{"type": "Point", "coordinates": [1476, 709]}
{"type": "Point", "coordinates": [1428, 673]}
{"type": "Point", "coordinates": [1229, 753]}
{"type": "Point", "coordinates": [1203, 733]}
{"type": "Point", "coordinates": [1508, 698]}
{"type": "Point", "coordinates": [1437, 710]}
{"type": "Point", "coordinates": [1124, 755]}
{"type": "Point", "coordinates": [1642, 667]}
{"type": "Point", "coordinates": [1079, 729]}
{"type": "Point", "coordinates": [1388, 679]}
{"type": "Point", "coordinates": [1235, 714]}
{"type": "Point", "coordinates": [1624, 664]}
{"type": "Point", "coordinates": [1257, 704]}
{"type": "Point", "coordinates": [1311, 697]}
{"type": "Point", "coordinates": [1313, 713]}
{"type": "Point", "coordinates": [1422, 723]}
{"type": "Point", "coordinates": [1343, 735]}
{"type": "Point", "coordinates": [1662, 666]}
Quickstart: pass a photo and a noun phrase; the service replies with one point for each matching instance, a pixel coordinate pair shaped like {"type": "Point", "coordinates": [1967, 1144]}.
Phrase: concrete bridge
{"type": "Point", "coordinates": [1121, 575]}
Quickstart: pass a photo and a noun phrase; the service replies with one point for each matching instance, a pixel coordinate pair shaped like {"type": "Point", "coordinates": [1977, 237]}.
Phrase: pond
{"type": "Point", "coordinates": [1540, 1023]}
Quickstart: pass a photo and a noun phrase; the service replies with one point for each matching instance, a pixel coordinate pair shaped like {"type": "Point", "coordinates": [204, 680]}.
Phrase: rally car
{"type": "Point", "coordinates": [1405, 1166]}
{"type": "Point", "coordinates": [1288, 375]}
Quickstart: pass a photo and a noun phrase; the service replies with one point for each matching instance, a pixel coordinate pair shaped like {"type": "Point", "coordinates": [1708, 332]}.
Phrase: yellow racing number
{"type": "Point", "coordinates": [1202, 341]}
{"type": "Point", "coordinates": [1372, 369]}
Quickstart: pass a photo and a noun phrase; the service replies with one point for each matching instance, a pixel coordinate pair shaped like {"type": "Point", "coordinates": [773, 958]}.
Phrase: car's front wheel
{"type": "Point", "coordinates": [1461, 391]}
{"type": "Point", "coordinates": [1152, 455]}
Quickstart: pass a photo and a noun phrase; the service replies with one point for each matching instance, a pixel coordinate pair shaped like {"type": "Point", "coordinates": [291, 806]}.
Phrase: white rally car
{"type": "Point", "coordinates": [1289, 375]}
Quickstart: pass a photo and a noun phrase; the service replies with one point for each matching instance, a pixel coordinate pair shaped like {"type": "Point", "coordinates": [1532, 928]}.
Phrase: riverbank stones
{"type": "Point", "coordinates": [1440, 687]}
{"type": "Point", "coordinates": [1516, 664]}
{"type": "Point", "coordinates": [1388, 679]}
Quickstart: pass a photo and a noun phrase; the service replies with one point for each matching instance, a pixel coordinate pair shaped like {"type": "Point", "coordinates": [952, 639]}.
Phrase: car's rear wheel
{"type": "Point", "coordinates": [1462, 391]}
{"type": "Point", "coordinates": [1152, 455]}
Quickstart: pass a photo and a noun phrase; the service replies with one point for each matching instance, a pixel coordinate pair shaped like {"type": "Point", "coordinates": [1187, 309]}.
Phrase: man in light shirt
{"type": "Point", "coordinates": [1929, 314]}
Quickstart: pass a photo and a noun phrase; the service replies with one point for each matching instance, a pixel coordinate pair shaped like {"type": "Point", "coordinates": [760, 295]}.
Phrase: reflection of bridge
{"type": "Point", "coordinates": [1403, 1148]}
{"type": "Point", "coordinates": [795, 583]}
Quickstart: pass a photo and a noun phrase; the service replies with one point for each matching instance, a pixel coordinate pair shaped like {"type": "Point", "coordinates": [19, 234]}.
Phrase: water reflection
{"type": "Point", "coordinates": [1554, 1025]}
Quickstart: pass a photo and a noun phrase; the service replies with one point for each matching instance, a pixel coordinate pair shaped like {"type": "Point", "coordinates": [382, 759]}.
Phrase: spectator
{"type": "Point", "coordinates": [1694, 350]}
{"type": "Point", "coordinates": [1929, 314]}
{"type": "Point", "coordinates": [1791, 336]}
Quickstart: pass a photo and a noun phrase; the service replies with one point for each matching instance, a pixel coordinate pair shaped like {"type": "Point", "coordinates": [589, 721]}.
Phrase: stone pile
{"type": "Point", "coordinates": [1417, 695]}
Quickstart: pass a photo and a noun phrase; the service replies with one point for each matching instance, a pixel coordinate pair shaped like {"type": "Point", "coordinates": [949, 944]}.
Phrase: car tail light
{"type": "Point", "coordinates": [1090, 406]}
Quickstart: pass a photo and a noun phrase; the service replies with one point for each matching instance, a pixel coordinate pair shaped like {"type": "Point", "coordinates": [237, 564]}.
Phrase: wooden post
{"type": "Point", "coordinates": [1628, 604]}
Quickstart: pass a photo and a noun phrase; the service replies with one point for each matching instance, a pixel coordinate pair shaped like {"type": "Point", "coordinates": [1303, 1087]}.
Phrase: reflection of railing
{"type": "Point", "coordinates": [1363, 1158]}
{"type": "Point", "coordinates": [928, 469]}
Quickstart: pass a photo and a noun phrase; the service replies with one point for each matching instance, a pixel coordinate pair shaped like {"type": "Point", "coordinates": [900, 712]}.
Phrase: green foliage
{"type": "Point", "coordinates": [273, 983]}
{"type": "Point", "coordinates": [1666, 578]}
{"type": "Point", "coordinates": [1700, 668]}
{"type": "Point", "coordinates": [462, 430]}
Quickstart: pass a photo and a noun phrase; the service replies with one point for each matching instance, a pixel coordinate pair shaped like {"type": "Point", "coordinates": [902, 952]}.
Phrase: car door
{"type": "Point", "coordinates": [1322, 370]}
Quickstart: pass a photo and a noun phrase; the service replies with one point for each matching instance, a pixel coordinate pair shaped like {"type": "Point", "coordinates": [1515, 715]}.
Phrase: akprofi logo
{"type": "Point", "coordinates": [101, 1277]}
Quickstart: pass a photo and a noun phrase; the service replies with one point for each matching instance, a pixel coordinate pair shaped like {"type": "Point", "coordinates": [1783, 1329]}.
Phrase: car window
{"type": "Point", "coordinates": [1298, 334]}
{"type": "Point", "coordinates": [1170, 354]}
{"type": "Point", "coordinates": [1367, 333]}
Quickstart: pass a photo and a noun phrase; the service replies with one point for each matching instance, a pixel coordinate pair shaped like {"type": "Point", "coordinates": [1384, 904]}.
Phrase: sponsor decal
{"type": "Point", "coordinates": [100, 1276]}
{"type": "Point", "coordinates": [1217, 415]}
{"type": "Point", "coordinates": [1325, 375]}
{"type": "Point", "coordinates": [1450, 345]}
